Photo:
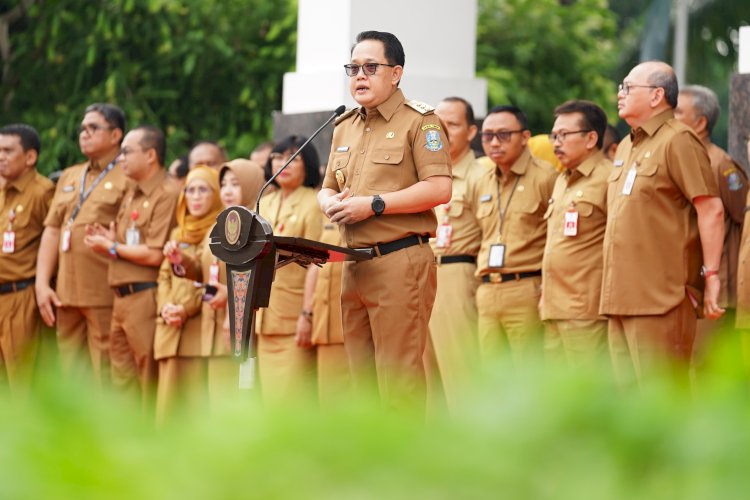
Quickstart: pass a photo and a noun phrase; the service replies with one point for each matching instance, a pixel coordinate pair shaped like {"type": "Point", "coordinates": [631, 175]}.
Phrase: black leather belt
{"type": "Point", "coordinates": [16, 286]}
{"type": "Point", "coordinates": [390, 247]}
{"type": "Point", "coordinates": [130, 288]}
{"type": "Point", "coordinates": [454, 259]}
{"type": "Point", "coordinates": [502, 277]}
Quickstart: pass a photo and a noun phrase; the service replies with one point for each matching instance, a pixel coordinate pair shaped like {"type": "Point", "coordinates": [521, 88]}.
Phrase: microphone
{"type": "Point", "coordinates": [335, 114]}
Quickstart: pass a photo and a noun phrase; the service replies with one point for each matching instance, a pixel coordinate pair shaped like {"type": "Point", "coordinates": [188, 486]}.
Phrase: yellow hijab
{"type": "Point", "coordinates": [194, 229]}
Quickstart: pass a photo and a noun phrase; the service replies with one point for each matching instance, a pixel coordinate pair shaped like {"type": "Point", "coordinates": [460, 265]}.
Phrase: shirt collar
{"type": "Point", "coordinates": [461, 167]}
{"type": "Point", "coordinates": [148, 186]}
{"type": "Point", "coordinates": [588, 164]}
{"type": "Point", "coordinates": [23, 181]}
{"type": "Point", "coordinates": [387, 108]}
{"type": "Point", "coordinates": [522, 163]}
{"type": "Point", "coordinates": [652, 125]}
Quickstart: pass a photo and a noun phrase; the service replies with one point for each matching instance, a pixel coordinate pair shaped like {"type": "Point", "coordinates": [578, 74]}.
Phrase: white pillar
{"type": "Point", "coordinates": [679, 62]}
{"type": "Point", "coordinates": [439, 39]}
{"type": "Point", "coordinates": [744, 56]}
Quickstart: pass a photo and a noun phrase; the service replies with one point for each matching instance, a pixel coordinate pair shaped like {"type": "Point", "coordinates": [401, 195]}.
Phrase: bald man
{"type": "Point", "coordinates": [662, 197]}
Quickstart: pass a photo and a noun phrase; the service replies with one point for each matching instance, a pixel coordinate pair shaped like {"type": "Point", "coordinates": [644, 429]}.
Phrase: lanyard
{"type": "Point", "coordinates": [507, 204]}
{"type": "Point", "coordinates": [83, 196]}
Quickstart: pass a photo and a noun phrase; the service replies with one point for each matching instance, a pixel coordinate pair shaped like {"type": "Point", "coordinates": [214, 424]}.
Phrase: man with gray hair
{"type": "Point", "coordinates": [698, 108]}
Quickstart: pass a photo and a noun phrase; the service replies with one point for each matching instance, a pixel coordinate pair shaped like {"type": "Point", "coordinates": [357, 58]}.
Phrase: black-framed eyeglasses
{"type": "Point", "coordinates": [561, 136]}
{"type": "Point", "coordinates": [502, 135]}
{"type": "Point", "coordinates": [625, 87]}
{"type": "Point", "coordinates": [93, 128]}
{"type": "Point", "coordinates": [368, 68]}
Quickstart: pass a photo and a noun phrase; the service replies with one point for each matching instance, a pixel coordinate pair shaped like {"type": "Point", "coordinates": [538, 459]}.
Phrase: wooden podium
{"type": "Point", "coordinates": [244, 241]}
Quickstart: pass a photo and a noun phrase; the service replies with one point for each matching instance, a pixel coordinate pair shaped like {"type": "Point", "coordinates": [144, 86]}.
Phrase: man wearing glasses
{"type": "Point", "coordinates": [87, 193]}
{"type": "Point", "coordinates": [133, 245]}
{"type": "Point", "coordinates": [389, 166]}
{"type": "Point", "coordinates": [574, 332]}
{"type": "Point", "coordinates": [662, 198]}
{"type": "Point", "coordinates": [510, 202]}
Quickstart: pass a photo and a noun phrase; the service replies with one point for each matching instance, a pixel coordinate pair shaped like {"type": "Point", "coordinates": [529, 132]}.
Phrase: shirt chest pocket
{"type": "Point", "coordinates": [455, 208]}
{"type": "Point", "coordinates": [140, 213]}
{"type": "Point", "coordinates": [486, 206]}
{"type": "Point", "coordinates": [644, 184]}
{"type": "Point", "coordinates": [385, 172]}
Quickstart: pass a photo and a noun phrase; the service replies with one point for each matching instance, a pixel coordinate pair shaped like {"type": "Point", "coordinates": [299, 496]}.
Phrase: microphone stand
{"type": "Point", "coordinates": [335, 115]}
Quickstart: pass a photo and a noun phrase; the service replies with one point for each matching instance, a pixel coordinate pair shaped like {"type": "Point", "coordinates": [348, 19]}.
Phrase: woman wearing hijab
{"type": "Point", "coordinates": [240, 181]}
{"type": "Point", "coordinates": [182, 369]}
{"type": "Point", "coordinates": [286, 359]}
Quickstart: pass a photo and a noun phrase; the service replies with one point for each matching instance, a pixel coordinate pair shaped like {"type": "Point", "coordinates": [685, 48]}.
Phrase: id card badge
{"type": "Point", "coordinates": [247, 374]}
{"type": "Point", "coordinates": [570, 227]}
{"type": "Point", "coordinates": [443, 235]}
{"type": "Point", "coordinates": [627, 188]}
{"type": "Point", "coordinates": [132, 236]}
{"type": "Point", "coordinates": [9, 242]}
{"type": "Point", "coordinates": [497, 256]}
{"type": "Point", "coordinates": [65, 240]}
{"type": "Point", "coordinates": [213, 273]}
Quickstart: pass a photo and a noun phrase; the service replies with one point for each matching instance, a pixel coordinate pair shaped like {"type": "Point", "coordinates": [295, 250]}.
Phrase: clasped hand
{"type": "Point", "coordinates": [342, 208]}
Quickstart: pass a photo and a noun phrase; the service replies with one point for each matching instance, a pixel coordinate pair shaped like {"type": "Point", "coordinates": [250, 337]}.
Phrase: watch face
{"type": "Point", "coordinates": [378, 205]}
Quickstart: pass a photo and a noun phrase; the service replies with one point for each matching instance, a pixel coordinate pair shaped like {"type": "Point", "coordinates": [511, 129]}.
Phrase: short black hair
{"type": "Point", "coordinates": [667, 80]}
{"type": "Point", "coordinates": [469, 110]}
{"type": "Point", "coordinates": [309, 157]}
{"type": "Point", "coordinates": [153, 138]}
{"type": "Point", "coordinates": [515, 111]}
{"type": "Point", "coordinates": [27, 135]}
{"type": "Point", "coordinates": [594, 117]}
{"type": "Point", "coordinates": [112, 114]}
{"type": "Point", "coordinates": [394, 51]}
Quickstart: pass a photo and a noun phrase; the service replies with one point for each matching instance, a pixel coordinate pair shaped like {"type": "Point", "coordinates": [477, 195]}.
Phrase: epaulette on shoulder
{"type": "Point", "coordinates": [420, 107]}
{"type": "Point", "coordinates": [345, 116]}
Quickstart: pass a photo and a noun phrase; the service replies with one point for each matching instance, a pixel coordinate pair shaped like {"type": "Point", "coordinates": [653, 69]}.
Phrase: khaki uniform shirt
{"type": "Point", "coordinates": [29, 198]}
{"type": "Point", "coordinates": [528, 186]}
{"type": "Point", "coordinates": [82, 274]}
{"type": "Point", "coordinates": [572, 265]}
{"type": "Point", "coordinates": [154, 202]}
{"type": "Point", "coordinates": [466, 235]}
{"type": "Point", "coordinates": [382, 151]}
{"type": "Point", "coordinates": [327, 326]}
{"type": "Point", "coordinates": [168, 340]}
{"type": "Point", "coordinates": [651, 246]}
{"type": "Point", "coordinates": [299, 216]}
{"type": "Point", "coordinates": [733, 189]}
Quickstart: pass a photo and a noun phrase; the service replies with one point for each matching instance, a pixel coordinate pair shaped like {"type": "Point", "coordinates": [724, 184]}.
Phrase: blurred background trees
{"type": "Point", "coordinates": [213, 69]}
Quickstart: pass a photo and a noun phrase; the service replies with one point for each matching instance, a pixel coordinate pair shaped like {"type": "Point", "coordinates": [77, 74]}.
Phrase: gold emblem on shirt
{"type": "Point", "coordinates": [146, 204]}
{"type": "Point", "coordinates": [108, 185]}
{"type": "Point", "coordinates": [390, 135]}
{"type": "Point", "coordinates": [340, 178]}
{"type": "Point", "coordinates": [579, 193]}
{"type": "Point", "coordinates": [431, 125]}
{"type": "Point", "coordinates": [19, 209]}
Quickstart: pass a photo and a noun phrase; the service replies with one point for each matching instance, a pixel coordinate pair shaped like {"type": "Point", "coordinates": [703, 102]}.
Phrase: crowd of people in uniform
{"type": "Point", "coordinates": [567, 245]}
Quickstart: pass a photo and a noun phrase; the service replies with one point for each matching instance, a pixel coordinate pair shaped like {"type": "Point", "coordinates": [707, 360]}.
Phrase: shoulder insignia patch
{"type": "Point", "coordinates": [419, 106]}
{"type": "Point", "coordinates": [431, 125]}
{"type": "Point", "coordinates": [345, 115]}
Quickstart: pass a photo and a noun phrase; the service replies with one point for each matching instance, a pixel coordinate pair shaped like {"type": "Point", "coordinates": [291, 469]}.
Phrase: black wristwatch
{"type": "Point", "coordinates": [378, 205]}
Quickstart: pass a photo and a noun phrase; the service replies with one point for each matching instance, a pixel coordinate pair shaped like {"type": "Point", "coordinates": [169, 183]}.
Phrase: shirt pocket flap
{"type": "Point", "coordinates": [341, 160]}
{"type": "Point", "coordinates": [584, 208]}
{"type": "Point", "coordinates": [615, 174]}
{"type": "Point", "coordinates": [456, 207]}
{"type": "Point", "coordinates": [528, 206]}
{"type": "Point", "coordinates": [647, 169]}
{"type": "Point", "coordinates": [387, 156]}
{"type": "Point", "coordinates": [548, 213]}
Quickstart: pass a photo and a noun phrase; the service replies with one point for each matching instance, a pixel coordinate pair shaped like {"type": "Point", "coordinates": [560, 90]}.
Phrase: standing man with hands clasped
{"type": "Point", "coordinates": [389, 166]}
{"type": "Point", "coordinates": [134, 245]}
{"type": "Point", "coordinates": [662, 206]}
{"type": "Point", "coordinates": [87, 193]}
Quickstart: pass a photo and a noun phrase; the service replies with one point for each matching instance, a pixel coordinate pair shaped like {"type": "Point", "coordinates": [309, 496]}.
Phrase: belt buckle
{"type": "Point", "coordinates": [496, 278]}
{"type": "Point", "coordinates": [438, 259]}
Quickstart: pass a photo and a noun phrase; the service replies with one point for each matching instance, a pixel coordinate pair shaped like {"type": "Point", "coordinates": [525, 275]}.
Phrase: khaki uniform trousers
{"type": "Point", "coordinates": [132, 346]}
{"type": "Point", "coordinates": [20, 336]}
{"type": "Point", "coordinates": [287, 372]}
{"type": "Point", "coordinates": [182, 387]}
{"type": "Point", "coordinates": [83, 342]}
{"type": "Point", "coordinates": [334, 377]}
{"type": "Point", "coordinates": [509, 319]}
{"type": "Point", "coordinates": [643, 346]}
{"type": "Point", "coordinates": [386, 304]}
{"type": "Point", "coordinates": [576, 342]}
{"type": "Point", "coordinates": [453, 329]}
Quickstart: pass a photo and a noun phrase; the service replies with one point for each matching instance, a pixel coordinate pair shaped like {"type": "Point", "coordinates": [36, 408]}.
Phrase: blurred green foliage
{"type": "Point", "coordinates": [537, 54]}
{"type": "Point", "coordinates": [531, 432]}
{"type": "Point", "coordinates": [200, 69]}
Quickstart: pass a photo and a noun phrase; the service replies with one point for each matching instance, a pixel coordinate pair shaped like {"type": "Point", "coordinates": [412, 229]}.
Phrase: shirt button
{"type": "Point", "coordinates": [387, 156]}
{"type": "Point", "coordinates": [367, 129]}
{"type": "Point", "coordinates": [362, 152]}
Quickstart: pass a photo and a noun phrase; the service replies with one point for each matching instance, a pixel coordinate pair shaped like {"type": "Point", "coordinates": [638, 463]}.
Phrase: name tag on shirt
{"type": "Point", "coordinates": [497, 256]}
{"type": "Point", "coordinates": [9, 242]}
{"type": "Point", "coordinates": [485, 198]}
{"type": "Point", "coordinates": [443, 235]}
{"type": "Point", "coordinates": [627, 188]}
{"type": "Point", "coordinates": [342, 149]}
{"type": "Point", "coordinates": [619, 163]}
{"type": "Point", "coordinates": [570, 227]}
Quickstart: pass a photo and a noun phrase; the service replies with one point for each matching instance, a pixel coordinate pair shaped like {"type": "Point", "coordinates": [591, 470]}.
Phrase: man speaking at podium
{"type": "Point", "coordinates": [389, 166]}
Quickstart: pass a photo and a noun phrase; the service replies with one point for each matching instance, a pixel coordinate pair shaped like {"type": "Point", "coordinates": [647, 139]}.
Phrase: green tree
{"type": "Point", "coordinates": [200, 69]}
{"type": "Point", "coordinates": [538, 53]}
